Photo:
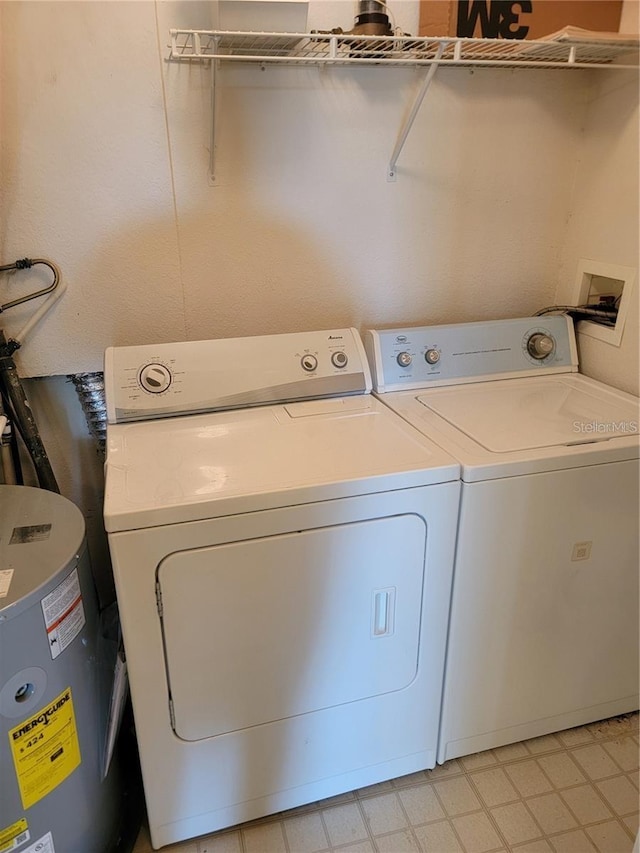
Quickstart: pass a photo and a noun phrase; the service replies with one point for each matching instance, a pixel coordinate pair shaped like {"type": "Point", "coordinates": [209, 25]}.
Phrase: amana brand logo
{"type": "Point", "coordinates": [335, 337]}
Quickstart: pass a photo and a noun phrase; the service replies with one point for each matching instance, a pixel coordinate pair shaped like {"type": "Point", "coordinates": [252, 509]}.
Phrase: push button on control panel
{"type": "Point", "coordinates": [155, 378]}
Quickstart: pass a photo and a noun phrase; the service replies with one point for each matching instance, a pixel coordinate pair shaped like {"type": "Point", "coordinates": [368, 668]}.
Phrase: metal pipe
{"type": "Point", "coordinates": [24, 419]}
{"type": "Point", "coordinates": [37, 315]}
{"type": "Point", "coordinates": [26, 263]}
{"type": "Point", "coordinates": [6, 457]}
{"type": "Point", "coordinates": [11, 434]}
{"type": "Point", "coordinates": [370, 6]}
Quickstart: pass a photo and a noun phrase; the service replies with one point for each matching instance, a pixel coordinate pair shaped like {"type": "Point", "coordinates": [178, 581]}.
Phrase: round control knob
{"type": "Point", "coordinates": [309, 363]}
{"type": "Point", "coordinates": [432, 356]}
{"type": "Point", "coordinates": [539, 345]}
{"type": "Point", "coordinates": [404, 359]}
{"type": "Point", "coordinates": [155, 378]}
{"type": "Point", "coordinates": [339, 359]}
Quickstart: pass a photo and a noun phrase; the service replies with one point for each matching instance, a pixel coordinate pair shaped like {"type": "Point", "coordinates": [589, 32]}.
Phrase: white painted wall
{"type": "Point", "coordinates": [76, 463]}
{"type": "Point", "coordinates": [104, 170]}
{"type": "Point", "coordinates": [604, 225]}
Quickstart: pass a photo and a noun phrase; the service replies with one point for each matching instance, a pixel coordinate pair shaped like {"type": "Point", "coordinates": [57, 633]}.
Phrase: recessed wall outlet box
{"type": "Point", "coordinates": [260, 16]}
{"type": "Point", "coordinates": [601, 284]}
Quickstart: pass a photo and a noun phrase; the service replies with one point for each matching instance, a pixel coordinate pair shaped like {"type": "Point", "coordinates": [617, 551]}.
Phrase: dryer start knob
{"type": "Point", "coordinates": [155, 378]}
{"type": "Point", "coordinates": [309, 362]}
{"type": "Point", "coordinates": [540, 345]}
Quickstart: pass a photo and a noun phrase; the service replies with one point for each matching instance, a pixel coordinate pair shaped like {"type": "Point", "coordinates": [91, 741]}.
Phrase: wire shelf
{"type": "Point", "coordinates": [342, 49]}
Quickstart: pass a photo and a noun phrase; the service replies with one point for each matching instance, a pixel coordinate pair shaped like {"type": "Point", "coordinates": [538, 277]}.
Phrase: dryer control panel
{"type": "Point", "coordinates": [160, 380]}
{"type": "Point", "coordinates": [411, 358]}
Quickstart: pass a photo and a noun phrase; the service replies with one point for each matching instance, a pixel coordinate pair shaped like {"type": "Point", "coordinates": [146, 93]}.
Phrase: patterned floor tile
{"type": "Point", "coordinates": [528, 778]}
{"type": "Point", "coordinates": [397, 842]}
{"type": "Point", "coordinates": [477, 833]}
{"type": "Point", "coordinates": [624, 752]}
{"type": "Point", "coordinates": [384, 814]}
{"type": "Point", "coordinates": [595, 761]}
{"type": "Point", "coordinates": [516, 823]}
{"type": "Point", "coordinates": [561, 769]}
{"type": "Point", "coordinates": [438, 837]}
{"type": "Point", "coordinates": [586, 804]}
{"type": "Point", "coordinates": [457, 796]}
{"type": "Point", "coordinates": [610, 837]}
{"type": "Point", "coordinates": [620, 794]}
{"type": "Point", "coordinates": [306, 834]}
{"type": "Point", "coordinates": [494, 786]}
{"type": "Point", "coordinates": [421, 804]}
{"type": "Point", "coordinates": [344, 824]}
{"type": "Point", "coordinates": [574, 791]}
{"type": "Point", "coordinates": [551, 813]}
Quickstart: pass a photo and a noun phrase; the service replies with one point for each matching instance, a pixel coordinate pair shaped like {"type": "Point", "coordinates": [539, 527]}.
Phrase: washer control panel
{"type": "Point", "coordinates": [470, 352]}
{"type": "Point", "coordinates": [160, 380]}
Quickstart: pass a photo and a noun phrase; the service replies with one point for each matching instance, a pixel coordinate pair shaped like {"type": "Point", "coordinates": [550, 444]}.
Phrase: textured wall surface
{"type": "Point", "coordinates": [604, 223]}
{"type": "Point", "coordinates": [104, 170]}
{"type": "Point", "coordinates": [507, 179]}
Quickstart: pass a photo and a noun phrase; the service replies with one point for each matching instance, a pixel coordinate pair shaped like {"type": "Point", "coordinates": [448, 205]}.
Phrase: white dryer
{"type": "Point", "coordinates": [544, 620]}
{"type": "Point", "coordinates": [283, 572]}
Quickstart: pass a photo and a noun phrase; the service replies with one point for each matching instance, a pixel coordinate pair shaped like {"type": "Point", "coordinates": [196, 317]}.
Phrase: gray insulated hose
{"type": "Point", "coordinates": [90, 390]}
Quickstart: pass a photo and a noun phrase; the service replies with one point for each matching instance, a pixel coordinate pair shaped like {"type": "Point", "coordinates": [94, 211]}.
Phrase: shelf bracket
{"type": "Point", "coordinates": [404, 133]}
{"type": "Point", "coordinates": [212, 127]}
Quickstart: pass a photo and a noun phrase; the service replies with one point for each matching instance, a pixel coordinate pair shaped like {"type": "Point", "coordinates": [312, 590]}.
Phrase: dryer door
{"type": "Point", "coordinates": [269, 628]}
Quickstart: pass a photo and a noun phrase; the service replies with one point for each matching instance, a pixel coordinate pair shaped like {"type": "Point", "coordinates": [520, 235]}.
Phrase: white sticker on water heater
{"type": "Point", "coordinates": [63, 614]}
{"type": "Point", "coordinates": [5, 582]}
{"type": "Point", "coordinates": [43, 845]}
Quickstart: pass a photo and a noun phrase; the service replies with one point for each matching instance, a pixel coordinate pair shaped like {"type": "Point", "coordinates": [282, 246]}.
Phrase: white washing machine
{"type": "Point", "coordinates": [283, 572]}
{"type": "Point", "coordinates": [544, 619]}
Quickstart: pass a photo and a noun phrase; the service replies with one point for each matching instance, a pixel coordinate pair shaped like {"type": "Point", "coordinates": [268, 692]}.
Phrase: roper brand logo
{"type": "Point", "coordinates": [401, 339]}
{"type": "Point", "coordinates": [497, 18]}
{"type": "Point", "coordinates": [42, 719]}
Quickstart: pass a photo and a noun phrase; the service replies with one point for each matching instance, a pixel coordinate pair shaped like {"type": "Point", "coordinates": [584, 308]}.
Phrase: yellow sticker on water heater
{"type": "Point", "coordinates": [45, 749]}
{"type": "Point", "coordinates": [14, 836]}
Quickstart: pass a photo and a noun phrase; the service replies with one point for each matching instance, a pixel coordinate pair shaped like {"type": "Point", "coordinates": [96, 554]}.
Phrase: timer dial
{"type": "Point", "coordinates": [309, 362]}
{"type": "Point", "coordinates": [155, 378]}
{"type": "Point", "coordinates": [339, 359]}
{"type": "Point", "coordinates": [404, 359]}
{"type": "Point", "coordinates": [540, 345]}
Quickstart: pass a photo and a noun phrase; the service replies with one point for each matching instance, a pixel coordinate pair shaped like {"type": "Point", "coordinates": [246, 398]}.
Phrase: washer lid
{"type": "Point", "coordinates": [515, 415]}
{"type": "Point", "coordinates": [206, 466]}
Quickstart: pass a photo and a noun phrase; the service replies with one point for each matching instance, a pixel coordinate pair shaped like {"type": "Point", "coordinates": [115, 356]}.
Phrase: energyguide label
{"type": "Point", "coordinates": [45, 749]}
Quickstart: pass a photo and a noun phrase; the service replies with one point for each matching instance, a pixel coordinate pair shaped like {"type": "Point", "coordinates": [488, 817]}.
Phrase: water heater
{"type": "Point", "coordinates": [53, 701]}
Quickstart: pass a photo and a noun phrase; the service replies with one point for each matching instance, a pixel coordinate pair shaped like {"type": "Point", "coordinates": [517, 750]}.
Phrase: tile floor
{"type": "Point", "coordinates": [571, 792]}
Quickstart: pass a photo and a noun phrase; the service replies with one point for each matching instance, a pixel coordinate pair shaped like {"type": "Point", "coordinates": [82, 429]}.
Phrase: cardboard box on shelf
{"type": "Point", "coordinates": [526, 19]}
